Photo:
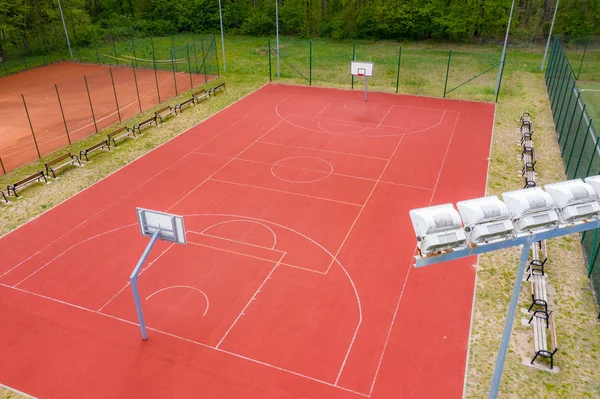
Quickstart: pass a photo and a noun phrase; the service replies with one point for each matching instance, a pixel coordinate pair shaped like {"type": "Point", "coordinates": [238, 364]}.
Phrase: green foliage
{"type": "Point", "coordinates": [33, 24]}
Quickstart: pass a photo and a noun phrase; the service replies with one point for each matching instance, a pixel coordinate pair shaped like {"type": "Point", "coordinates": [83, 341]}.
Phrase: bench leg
{"type": "Point", "coordinates": [535, 357]}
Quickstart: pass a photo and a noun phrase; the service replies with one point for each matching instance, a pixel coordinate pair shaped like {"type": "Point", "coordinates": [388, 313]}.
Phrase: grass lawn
{"type": "Point", "coordinates": [423, 72]}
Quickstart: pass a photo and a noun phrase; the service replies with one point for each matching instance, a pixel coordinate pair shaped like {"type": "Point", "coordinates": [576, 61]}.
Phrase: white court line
{"type": "Point", "coordinates": [327, 174]}
{"type": "Point", "coordinates": [319, 171]}
{"type": "Point", "coordinates": [344, 242]}
{"type": "Point", "coordinates": [245, 221]}
{"type": "Point", "coordinates": [387, 338]}
{"type": "Point", "coordinates": [16, 391]}
{"type": "Point", "coordinates": [227, 163]}
{"type": "Point", "coordinates": [130, 191]}
{"type": "Point", "coordinates": [250, 301]}
{"type": "Point", "coordinates": [319, 149]}
{"type": "Point", "coordinates": [142, 271]}
{"type": "Point", "coordinates": [183, 286]}
{"type": "Point", "coordinates": [430, 127]}
{"type": "Point", "coordinates": [342, 134]}
{"type": "Point", "coordinates": [385, 116]}
{"type": "Point", "coordinates": [358, 302]}
{"type": "Point", "coordinates": [323, 110]}
{"type": "Point", "coordinates": [286, 192]}
{"type": "Point", "coordinates": [68, 249]}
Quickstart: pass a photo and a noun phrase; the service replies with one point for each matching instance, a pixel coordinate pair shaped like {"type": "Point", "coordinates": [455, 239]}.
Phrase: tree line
{"type": "Point", "coordinates": [24, 21]}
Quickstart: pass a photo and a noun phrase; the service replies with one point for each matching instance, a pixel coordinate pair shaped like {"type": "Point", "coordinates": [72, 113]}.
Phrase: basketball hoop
{"type": "Point", "coordinates": [360, 69]}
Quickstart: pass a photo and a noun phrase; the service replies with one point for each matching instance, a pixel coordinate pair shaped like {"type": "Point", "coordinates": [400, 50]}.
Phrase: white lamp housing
{"type": "Point", "coordinates": [574, 199]}
{"type": "Point", "coordinates": [531, 209]}
{"type": "Point", "coordinates": [594, 181]}
{"type": "Point", "coordinates": [486, 219]}
{"type": "Point", "coordinates": [438, 228]}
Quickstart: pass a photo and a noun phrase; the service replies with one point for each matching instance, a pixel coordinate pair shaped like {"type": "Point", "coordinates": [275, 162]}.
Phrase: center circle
{"type": "Point", "coordinates": [302, 169]}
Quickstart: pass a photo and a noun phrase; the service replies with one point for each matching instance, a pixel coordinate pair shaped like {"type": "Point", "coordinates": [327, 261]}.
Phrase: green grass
{"type": "Point", "coordinates": [422, 72]}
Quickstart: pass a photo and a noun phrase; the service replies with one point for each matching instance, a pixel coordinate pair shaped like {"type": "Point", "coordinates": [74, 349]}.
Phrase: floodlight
{"type": "Point", "coordinates": [486, 219]}
{"type": "Point", "coordinates": [575, 200]}
{"type": "Point", "coordinates": [531, 209]}
{"type": "Point", "coordinates": [594, 181]}
{"type": "Point", "coordinates": [438, 228]}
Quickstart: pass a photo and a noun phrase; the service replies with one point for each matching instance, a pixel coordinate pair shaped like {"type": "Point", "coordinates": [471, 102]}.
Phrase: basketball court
{"type": "Point", "coordinates": [296, 280]}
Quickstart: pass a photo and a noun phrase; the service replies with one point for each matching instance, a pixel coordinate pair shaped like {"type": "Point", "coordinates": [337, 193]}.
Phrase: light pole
{"type": "Point", "coordinates": [65, 26]}
{"type": "Point", "coordinates": [277, 35]}
{"type": "Point", "coordinates": [222, 38]}
{"type": "Point", "coordinates": [549, 35]}
{"type": "Point", "coordinates": [502, 59]}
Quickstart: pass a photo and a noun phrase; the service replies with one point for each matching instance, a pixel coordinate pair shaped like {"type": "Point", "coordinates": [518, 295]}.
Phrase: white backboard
{"type": "Point", "coordinates": [359, 68]}
{"type": "Point", "coordinates": [171, 226]}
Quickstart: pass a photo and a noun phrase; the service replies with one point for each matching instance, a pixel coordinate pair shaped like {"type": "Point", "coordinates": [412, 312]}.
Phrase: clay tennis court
{"type": "Point", "coordinates": [17, 146]}
{"type": "Point", "coordinates": [297, 278]}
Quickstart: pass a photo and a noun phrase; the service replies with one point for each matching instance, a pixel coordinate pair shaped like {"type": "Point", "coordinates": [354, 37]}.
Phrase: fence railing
{"type": "Point", "coordinates": [134, 75]}
{"type": "Point", "coordinates": [577, 137]}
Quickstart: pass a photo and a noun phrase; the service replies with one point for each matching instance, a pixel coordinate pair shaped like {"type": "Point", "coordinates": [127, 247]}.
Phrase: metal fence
{"type": "Point", "coordinates": [577, 137]}
{"type": "Point", "coordinates": [136, 74]}
{"type": "Point", "coordinates": [449, 73]}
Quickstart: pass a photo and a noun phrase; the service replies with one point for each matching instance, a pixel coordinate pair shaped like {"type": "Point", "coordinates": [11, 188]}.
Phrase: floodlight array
{"type": "Point", "coordinates": [442, 229]}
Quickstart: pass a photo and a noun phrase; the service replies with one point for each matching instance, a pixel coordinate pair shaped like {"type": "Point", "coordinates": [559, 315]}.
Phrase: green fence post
{"type": "Point", "coordinates": [137, 89]}
{"type": "Point", "coordinates": [4, 65]}
{"type": "Point", "coordinates": [556, 72]}
{"type": "Point", "coordinates": [91, 106]}
{"type": "Point", "coordinates": [587, 172]}
{"type": "Point", "coordinates": [173, 68]}
{"type": "Point", "coordinates": [566, 99]}
{"type": "Point", "coordinates": [31, 127]}
{"type": "Point", "coordinates": [559, 82]}
{"type": "Point", "coordinates": [187, 49]}
{"type": "Point", "coordinates": [560, 131]}
{"type": "Point", "coordinates": [583, 56]}
{"type": "Point", "coordinates": [96, 45]}
{"type": "Point", "coordinates": [592, 263]}
{"type": "Point", "coordinates": [353, 59]}
{"type": "Point", "coordinates": [62, 113]}
{"type": "Point", "coordinates": [214, 45]}
{"type": "Point", "coordinates": [204, 61]}
{"type": "Point", "coordinates": [594, 239]}
{"type": "Point", "coordinates": [552, 53]}
{"type": "Point", "coordinates": [310, 65]}
{"type": "Point", "coordinates": [447, 71]}
{"type": "Point", "coordinates": [398, 72]}
{"type": "Point", "coordinates": [173, 54]}
{"type": "Point", "coordinates": [112, 36]}
{"type": "Point", "coordinates": [564, 145]}
{"type": "Point", "coordinates": [270, 63]}
{"type": "Point", "coordinates": [580, 155]}
{"type": "Point", "coordinates": [195, 52]}
{"type": "Point", "coordinates": [115, 92]}
{"type": "Point", "coordinates": [501, 74]}
{"type": "Point", "coordinates": [587, 132]}
{"type": "Point", "coordinates": [133, 47]}
{"type": "Point", "coordinates": [155, 76]}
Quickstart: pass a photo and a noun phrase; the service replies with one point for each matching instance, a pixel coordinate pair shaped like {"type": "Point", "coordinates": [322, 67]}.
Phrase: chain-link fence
{"type": "Point", "coordinates": [433, 72]}
{"type": "Point", "coordinates": [46, 109]}
{"type": "Point", "coordinates": [577, 137]}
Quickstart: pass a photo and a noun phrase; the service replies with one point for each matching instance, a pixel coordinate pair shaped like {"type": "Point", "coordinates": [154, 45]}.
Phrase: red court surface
{"type": "Point", "coordinates": [297, 279]}
{"type": "Point", "coordinates": [17, 146]}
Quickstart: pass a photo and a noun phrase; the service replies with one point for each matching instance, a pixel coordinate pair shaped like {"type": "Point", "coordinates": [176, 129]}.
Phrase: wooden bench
{"type": "Point", "coordinates": [539, 258]}
{"type": "Point", "coordinates": [213, 91]}
{"type": "Point", "coordinates": [58, 163]}
{"type": "Point", "coordinates": [529, 161]}
{"type": "Point", "coordinates": [120, 134]}
{"type": "Point", "coordinates": [526, 132]}
{"type": "Point", "coordinates": [539, 295]}
{"type": "Point", "coordinates": [543, 323]}
{"type": "Point", "coordinates": [98, 146]}
{"type": "Point", "coordinates": [530, 180]}
{"type": "Point", "coordinates": [142, 124]}
{"type": "Point", "coordinates": [164, 112]}
{"type": "Point", "coordinates": [200, 95]}
{"type": "Point", "coordinates": [3, 197]}
{"type": "Point", "coordinates": [38, 176]}
{"type": "Point", "coordinates": [186, 103]}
